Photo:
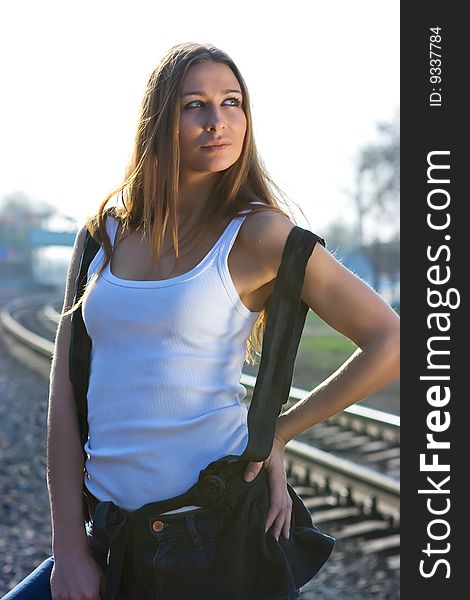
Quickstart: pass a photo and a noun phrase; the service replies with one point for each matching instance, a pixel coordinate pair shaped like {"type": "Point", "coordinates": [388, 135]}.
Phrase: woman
{"type": "Point", "coordinates": [171, 313]}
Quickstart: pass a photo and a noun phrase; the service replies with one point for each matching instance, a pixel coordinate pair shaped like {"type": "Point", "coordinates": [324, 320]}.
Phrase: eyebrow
{"type": "Point", "coordinates": [199, 93]}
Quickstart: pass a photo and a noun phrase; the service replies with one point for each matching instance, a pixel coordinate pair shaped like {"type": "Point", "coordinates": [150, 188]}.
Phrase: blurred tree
{"type": "Point", "coordinates": [340, 237]}
{"type": "Point", "coordinates": [377, 197]}
{"type": "Point", "coordinates": [19, 214]}
{"type": "Point", "coordinates": [371, 246]}
{"type": "Point", "coordinates": [19, 209]}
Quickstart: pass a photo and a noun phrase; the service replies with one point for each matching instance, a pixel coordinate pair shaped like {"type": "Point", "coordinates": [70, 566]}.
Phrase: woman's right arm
{"type": "Point", "coordinates": [76, 575]}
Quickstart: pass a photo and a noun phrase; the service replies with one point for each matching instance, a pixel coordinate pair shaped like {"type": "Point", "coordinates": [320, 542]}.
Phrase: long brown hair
{"type": "Point", "coordinates": [149, 191]}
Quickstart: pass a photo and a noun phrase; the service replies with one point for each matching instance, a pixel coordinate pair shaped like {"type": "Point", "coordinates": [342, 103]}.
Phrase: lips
{"type": "Point", "coordinates": [216, 144]}
{"type": "Point", "coordinates": [215, 148]}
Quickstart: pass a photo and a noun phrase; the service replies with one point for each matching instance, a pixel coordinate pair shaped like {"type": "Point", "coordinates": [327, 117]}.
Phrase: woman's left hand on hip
{"type": "Point", "coordinates": [280, 509]}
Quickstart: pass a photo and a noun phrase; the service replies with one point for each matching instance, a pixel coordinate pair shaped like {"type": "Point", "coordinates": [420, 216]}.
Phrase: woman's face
{"type": "Point", "coordinates": [210, 113]}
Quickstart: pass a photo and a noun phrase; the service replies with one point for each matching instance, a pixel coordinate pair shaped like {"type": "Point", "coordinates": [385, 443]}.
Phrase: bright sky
{"type": "Point", "coordinates": [321, 75]}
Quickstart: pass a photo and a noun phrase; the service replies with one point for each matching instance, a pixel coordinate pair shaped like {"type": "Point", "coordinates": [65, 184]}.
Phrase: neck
{"type": "Point", "coordinates": [194, 194]}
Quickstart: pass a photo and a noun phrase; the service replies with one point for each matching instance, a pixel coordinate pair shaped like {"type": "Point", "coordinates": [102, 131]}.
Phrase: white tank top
{"type": "Point", "coordinates": [164, 395]}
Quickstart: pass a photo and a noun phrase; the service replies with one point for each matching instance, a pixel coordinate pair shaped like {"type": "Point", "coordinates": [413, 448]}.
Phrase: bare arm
{"type": "Point", "coordinates": [355, 310]}
{"type": "Point", "coordinates": [348, 305]}
{"type": "Point", "coordinates": [64, 451]}
{"type": "Point", "coordinates": [352, 308]}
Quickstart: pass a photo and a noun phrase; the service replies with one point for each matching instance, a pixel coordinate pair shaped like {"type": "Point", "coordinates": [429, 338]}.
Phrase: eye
{"type": "Point", "coordinates": [191, 104]}
{"type": "Point", "coordinates": [236, 101]}
{"type": "Point", "coordinates": [198, 103]}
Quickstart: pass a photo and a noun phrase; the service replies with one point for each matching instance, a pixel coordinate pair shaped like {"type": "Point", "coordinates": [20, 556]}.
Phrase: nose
{"type": "Point", "coordinates": [215, 120]}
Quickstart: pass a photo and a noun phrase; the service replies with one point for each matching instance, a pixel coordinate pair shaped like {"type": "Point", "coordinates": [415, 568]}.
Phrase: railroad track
{"type": "Point", "coordinates": [345, 469]}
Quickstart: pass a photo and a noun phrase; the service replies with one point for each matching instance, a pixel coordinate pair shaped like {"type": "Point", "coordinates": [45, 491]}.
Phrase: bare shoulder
{"type": "Point", "coordinates": [263, 236]}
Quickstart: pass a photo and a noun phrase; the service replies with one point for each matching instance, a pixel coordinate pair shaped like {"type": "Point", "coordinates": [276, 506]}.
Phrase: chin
{"type": "Point", "coordinates": [215, 166]}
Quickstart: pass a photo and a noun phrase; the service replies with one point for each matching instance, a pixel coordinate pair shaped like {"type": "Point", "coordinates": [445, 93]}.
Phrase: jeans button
{"type": "Point", "coordinates": [158, 525]}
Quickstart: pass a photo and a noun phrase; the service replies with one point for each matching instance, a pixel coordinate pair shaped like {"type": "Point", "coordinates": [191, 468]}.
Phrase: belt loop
{"type": "Point", "coordinates": [100, 517]}
{"type": "Point", "coordinates": [115, 523]}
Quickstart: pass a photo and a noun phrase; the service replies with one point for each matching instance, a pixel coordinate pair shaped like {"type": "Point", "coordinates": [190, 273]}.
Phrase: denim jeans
{"type": "Point", "coordinates": [172, 555]}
